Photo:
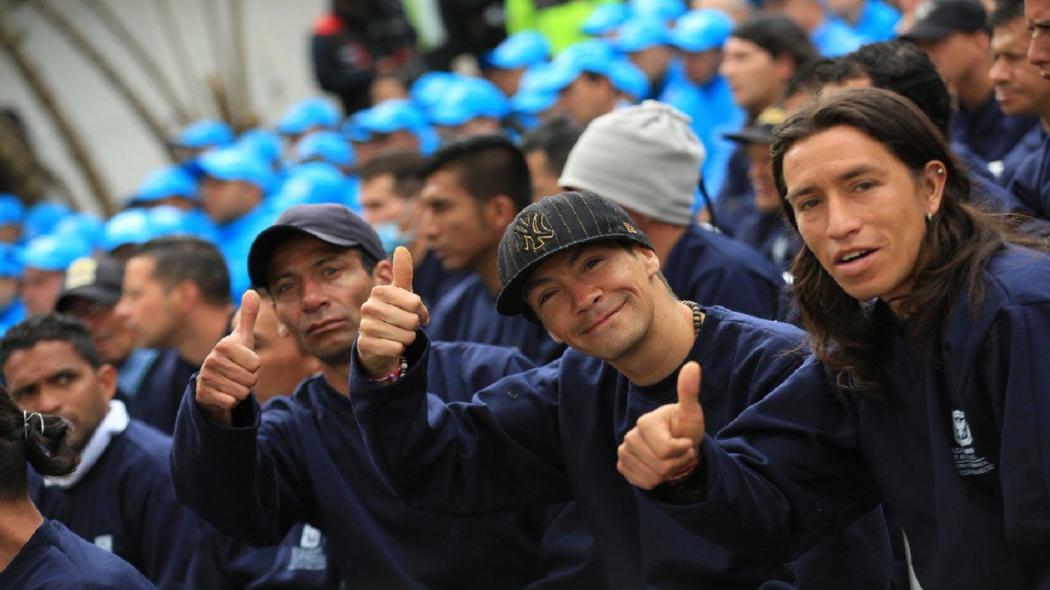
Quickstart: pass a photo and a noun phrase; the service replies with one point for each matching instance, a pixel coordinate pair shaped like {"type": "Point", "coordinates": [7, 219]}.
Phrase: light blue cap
{"type": "Point", "coordinates": [390, 116]}
{"type": "Point", "coordinates": [642, 33]}
{"type": "Point", "coordinates": [11, 209]}
{"type": "Point", "coordinates": [131, 226]}
{"type": "Point", "coordinates": [326, 146]}
{"type": "Point", "coordinates": [428, 89]}
{"type": "Point", "coordinates": [469, 99]}
{"type": "Point", "coordinates": [605, 18]}
{"type": "Point", "coordinates": [265, 143]}
{"type": "Point", "coordinates": [42, 218]}
{"type": "Point", "coordinates": [53, 252]}
{"type": "Point", "coordinates": [10, 260]}
{"type": "Point", "coordinates": [81, 226]}
{"type": "Point", "coordinates": [204, 134]}
{"type": "Point", "coordinates": [521, 50]}
{"type": "Point", "coordinates": [308, 113]}
{"type": "Point", "coordinates": [312, 183]}
{"type": "Point", "coordinates": [237, 164]}
{"type": "Point", "coordinates": [701, 30]}
{"type": "Point", "coordinates": [171, 181]}
{"type": "Point", "coordinates": [594, 56]}
{"type": "Point", "coordinates": [629, 79]}
{"type": "Point", "coordinates": [537, 92]}
{"type": "Point", "coordinates": [665, 10]}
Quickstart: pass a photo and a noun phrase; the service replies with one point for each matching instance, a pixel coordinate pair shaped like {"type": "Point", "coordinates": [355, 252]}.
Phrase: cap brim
{"type": "Point", "coordinates": [750, 135]}
{"type": "Point", "coordinates": [927, 31]}
{"type": "Point", "coordinates": [270, 238]}
{"type": "Point", "coordinates": [93, 293]}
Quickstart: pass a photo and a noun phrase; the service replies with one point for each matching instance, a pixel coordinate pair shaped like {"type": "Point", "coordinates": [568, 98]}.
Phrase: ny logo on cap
{"type": "Point", "coordinates": [534, 231]}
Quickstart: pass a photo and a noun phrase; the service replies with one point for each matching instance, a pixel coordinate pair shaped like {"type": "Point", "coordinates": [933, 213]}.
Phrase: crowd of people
{"type": "Point", "coordinates": [735, 296]}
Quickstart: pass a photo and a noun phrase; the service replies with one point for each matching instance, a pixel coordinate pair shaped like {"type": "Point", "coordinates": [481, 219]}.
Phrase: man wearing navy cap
{"type": "Point", "coordinates": [955, 34]}
{"type": "Point", "coordinates": [254, 472]}
{"type": "Point", "coordinates": [578, 265]}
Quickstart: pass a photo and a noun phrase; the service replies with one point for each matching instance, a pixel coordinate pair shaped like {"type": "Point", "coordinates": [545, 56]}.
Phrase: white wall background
{"type": "Point", "coordinates": [276, 34]}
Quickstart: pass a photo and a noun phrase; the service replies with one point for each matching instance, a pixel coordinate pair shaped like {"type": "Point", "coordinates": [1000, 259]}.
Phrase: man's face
{"type": "Point", "coordinates": [860, 210]}
{"type": "Point", "coordinates": [146, 306]}
{"type": "Point", "coordinates": [701, 66]}
{"type": "Point", "coordinates": [760, 173]}
{"type": "Point", "coordinates": [1019, 88]}
{"type": "Point", "coordinates": [454, 225]}
{"type": "Point", "coordinates": [587, 98]}
{"type": "Point", "coordinates": [598, 299]}
{"type": "Point", "coordinates": [282, 362]}
{"type": "Point", "coordinates": [226, 200]}
{"type": "Point", "coordinates": [507, 80]}
{"type": "Point", "coordinates": [8, 290]}
{"type": "Point", "coordinates": [318, 290]}
{"type": "Point", "coordinates": [1037, 16]}
{"type": "Point", "coordinates": [653, 61]}
{"type": "Point", "coordinates": [52, 378]}
{"type": "Point", "coordinates": [380, 203]}
{"type": "Point", "coordinates": [110, 334]}
{"type": "Point", "coordinates": [954, 56]}
{"type": "Point", "coordinates": [544, 183]}
{"type": "Point", "coordinates": [41, 288]}
{"type": "Point", "coordinates": [754, 77]}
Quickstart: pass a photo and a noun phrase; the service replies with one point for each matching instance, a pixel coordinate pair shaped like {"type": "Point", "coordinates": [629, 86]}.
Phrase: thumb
{"type": "Point", "coordinates": [688, 419]}
{"type": "Point", "coordinates": [245, 330]}
{"type": "Point", "coordinates": [403, 268]}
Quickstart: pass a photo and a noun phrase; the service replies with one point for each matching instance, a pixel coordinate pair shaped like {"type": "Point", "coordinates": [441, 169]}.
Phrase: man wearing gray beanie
{"type": "Point", "coordinates": [646, 159]}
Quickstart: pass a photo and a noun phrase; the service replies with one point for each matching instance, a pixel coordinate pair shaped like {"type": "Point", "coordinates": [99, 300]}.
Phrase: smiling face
{"type": "Point", "coordinates": [860, 210]}
{"type": "Point", "coordinates": [1019, 87]}
{"type": "Point", "coordinates": [597, 298]}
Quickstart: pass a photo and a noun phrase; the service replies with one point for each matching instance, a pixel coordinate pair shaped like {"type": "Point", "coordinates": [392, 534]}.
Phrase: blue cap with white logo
{"type": "Point", "coordinates": [205, 134]}
{"type": "Point", "coordinates": [325, 146]}
{"type": "Point", "coordinates": [53, 252]}
{"type": "Point", "coordinates": [701, 30]}
{"type": "Point", "coordinates": [306, 114]}
{"type": "Point", "coordinates": [234, 163]}
{"type": "Point", "coordinates": [642, 33]}
{"type": "Point", "coordinates": [606, 18]}
{"type": "Point", "coordinates": [521, 50]}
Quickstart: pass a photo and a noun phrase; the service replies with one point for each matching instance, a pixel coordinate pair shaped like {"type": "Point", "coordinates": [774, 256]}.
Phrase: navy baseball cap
{"type": "Point", "coordinates": [550, 226]}
{"type": "Point", "coordinates": [94, 278]}
{"type": "Point", "coordinates": [332, 223]}
{"type": "Point", "coordinates": [936, 19]}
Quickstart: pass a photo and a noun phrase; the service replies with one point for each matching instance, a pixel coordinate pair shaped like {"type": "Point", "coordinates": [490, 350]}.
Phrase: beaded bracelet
{"type": "Point", "coordinates": [402, 369]}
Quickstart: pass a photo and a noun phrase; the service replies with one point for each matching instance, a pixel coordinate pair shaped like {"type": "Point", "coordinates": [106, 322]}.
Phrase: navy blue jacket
{"type": "Point", "coordinates": [157, 401]}
{"type": "Point", "coordinates": [1029, 144]}
{"type": "Point", "coordinates": [989, 132]}
{"type": "Point", "coordinates": [712, 269]}
{"type": "Point", "coordinates": [303, 459]}
{"type": "Point", "coordinates": [772, 236]}
{"type": "Point", "coordinates": [958, 450]}
{"type": "Point", "coordinates": [551, 434]}
{"type": "Point", "coordinates": [55, 558]}
{"type": "Point", "coordinates": [127, 501]}
{"type": "Point", "coordinates": [1031, 182]}
{"type": "Point", "coordinates": [467, 313]}
{"type": "Point", "coordinates": [431, 281]}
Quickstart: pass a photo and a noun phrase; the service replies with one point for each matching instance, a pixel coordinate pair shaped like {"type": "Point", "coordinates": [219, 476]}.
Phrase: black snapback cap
{"type": "Point", "coordinates": [936, 19]}
{"type": "Point", "coordinates": [550, 226]}
{"type": "Point", "coordinates": [335, 224]}
{"type": "Point", "coordinates": [94, 278]}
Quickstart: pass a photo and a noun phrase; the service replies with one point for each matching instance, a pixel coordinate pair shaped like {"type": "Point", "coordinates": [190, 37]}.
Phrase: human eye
{"type": "Point", "coordinates": [863, 186]}
{"type": "Point", "coordinates": [592, 262]}
{"type": "Point", "coordinates": [806, 203]}
{"type": "Point", "coordinates": [545, 297]}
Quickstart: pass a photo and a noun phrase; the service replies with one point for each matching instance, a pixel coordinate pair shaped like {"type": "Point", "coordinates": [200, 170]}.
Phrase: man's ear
{"type": "Point", "coordinates": [185, 295]}
{"type": "Point", "coordinates": [383, 273]}
{"type": "Point", "coordinates": [652, 262]}
{"type": "Point", "coordinates": [499, 212]}
{"type": "Point", "coordinates": [107, 380]}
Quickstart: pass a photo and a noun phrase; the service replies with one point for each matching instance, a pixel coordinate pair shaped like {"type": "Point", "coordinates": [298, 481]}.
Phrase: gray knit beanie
{"type": "Point", "coordinates": [644, 158]}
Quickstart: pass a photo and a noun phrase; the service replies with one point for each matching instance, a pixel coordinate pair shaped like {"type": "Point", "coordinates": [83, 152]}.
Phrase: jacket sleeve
{"type": "Point", "coordinates": [245, 479]}
{"type": "Point", "coordinates": [498, 451]}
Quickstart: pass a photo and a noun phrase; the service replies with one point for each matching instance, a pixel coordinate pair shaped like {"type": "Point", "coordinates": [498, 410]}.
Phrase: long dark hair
{"type": "Point", "coordinates": [37, 438]}
{"type": "Point", "coordinates": [958, 242]}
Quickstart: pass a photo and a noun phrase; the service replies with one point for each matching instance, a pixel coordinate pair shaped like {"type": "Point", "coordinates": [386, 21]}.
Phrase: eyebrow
{"type": "Point", "coordinates": [858, 170]}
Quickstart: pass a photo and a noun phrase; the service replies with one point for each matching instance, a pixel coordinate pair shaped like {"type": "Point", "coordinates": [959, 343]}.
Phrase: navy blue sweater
{"type": "Point", "coordinates": [958, 450]}
{"type": "Point", "coordinates": [551, 434]}
{"type": "Point", "coordinates": [55, 558]}
{"type": "Point", "coordinates": [303, 459]}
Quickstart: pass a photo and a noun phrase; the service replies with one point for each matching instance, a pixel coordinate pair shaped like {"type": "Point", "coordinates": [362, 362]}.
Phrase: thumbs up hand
{"type": "Point", "coordinates": [231, 368]}
{"type": "Point", "coordinates": [389, 320]}
{"type": "Point", "coordinates": [665, 443]}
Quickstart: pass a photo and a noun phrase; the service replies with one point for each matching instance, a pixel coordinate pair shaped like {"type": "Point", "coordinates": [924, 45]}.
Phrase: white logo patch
{"type": "Point", "coordinates": [967, 461]}
{"type": "Point", "coordinates": [104, 542]}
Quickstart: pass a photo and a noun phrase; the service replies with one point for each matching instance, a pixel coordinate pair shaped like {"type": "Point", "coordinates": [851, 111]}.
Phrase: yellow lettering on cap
{"type": "Point", "coordinates": [630, 228]}
{"type": "Point", "coordinates": [81, 273]}
{"type": "Point", "coordinates": [534, 232]}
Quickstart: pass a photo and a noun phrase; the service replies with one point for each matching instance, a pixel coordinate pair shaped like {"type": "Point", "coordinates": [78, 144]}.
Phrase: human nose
{"type": "Point", "coordinates": [842, 220]}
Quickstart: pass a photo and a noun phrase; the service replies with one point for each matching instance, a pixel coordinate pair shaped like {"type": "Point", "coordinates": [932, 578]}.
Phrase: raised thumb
{"type": "Point", "coordinates": [403, 268]}
{"type": "Point", "coordinates": [249, 312]}
{"type": "Point", "coordinates": [689, 417]}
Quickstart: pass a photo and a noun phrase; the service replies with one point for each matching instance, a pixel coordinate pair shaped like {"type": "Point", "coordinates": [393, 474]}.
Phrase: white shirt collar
{"type": "Point", "coordinates": [114, 423]}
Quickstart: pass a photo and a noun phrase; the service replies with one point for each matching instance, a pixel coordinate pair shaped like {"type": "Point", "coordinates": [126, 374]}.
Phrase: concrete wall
{"type": "Point", "coordinates": [279, 73]}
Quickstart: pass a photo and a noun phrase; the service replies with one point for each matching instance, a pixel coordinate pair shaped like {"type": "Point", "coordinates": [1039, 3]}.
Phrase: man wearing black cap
{"type": "Point", "coordinates": [578, 265]}
{"type": "Point", "coordinates": [955, 34]}
{"type": "Point", "coordinates": [254, 472]}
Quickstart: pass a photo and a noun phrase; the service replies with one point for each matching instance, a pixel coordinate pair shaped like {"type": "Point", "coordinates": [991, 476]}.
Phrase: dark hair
{"type": "Point", "coordinates": [37, 438]}
{"type": "Point", "coordinates": [902, 67]}
{"type": "Point", "coordinates": [778, 35]}
{"type": "Point", "coordinates": [812, 77]}
{"type": "Point", "coordinates": [49, 328]}
{"type": "Point", "coordinates": [556, 138]}
{"type": "Point", "coordinates": [404, 166]}
{"type": "Point", "coordinates": [183, 258]}
{"type": "Point", "coordinates": [1005, 12]}
{"type": "Point", "coordinates": [487, 166]}
{"type": "Point", "coordinates": [958, 242]}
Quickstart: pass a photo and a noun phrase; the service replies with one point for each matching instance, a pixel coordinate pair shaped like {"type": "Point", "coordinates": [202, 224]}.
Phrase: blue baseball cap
{"type": "Point", "coordinates": [312, 183]}
{"type": "Point", "coordinates": [263, 142]}
{"type": "Point", "coordinates": [171, 181]}
{"type": "Point", "coordinates": [305, 114]}
{"type": "Point", "coordinates": [538, 90]}
{"type": "Point", "coordinates": [593, 56]}
{"type": "Point", "coordinates": [11, 209]}
{"type": "Point", "coordinates": [53, 252]}
{"type": "Point", "coordinates": [81, 226]}
{"type": "Point", "coordinates": [520, 50]}
{"type": "Point", "coordinates": [606, 18]}
{"type": "Point", "coordinates": [131, 226]}
{"type": "Point", "coordinates": [390, 116]}
{"type": "Point", "coordinates": [469, 99]}
{"type": "Point", "coordinates": [428, 89]}
{"type": "Point", "coordinates": [642, 33]}
{"type": "Point", "coordinates": [665, 10]}
{"type": "Point", "coordinates": [234, 163]}
{"type": "Point", "coordinates": [42, 218]}
{"type": "Point", "coordinates": [204, 134]}
{"type": "Point", "coordinates": [701, 30]}
{"type": "Point", "coordinates": [326, 146]}
{"type": "Point", "coordinates": [629, 79]}
{"type": "Point", "coordinates": [10, 260]}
